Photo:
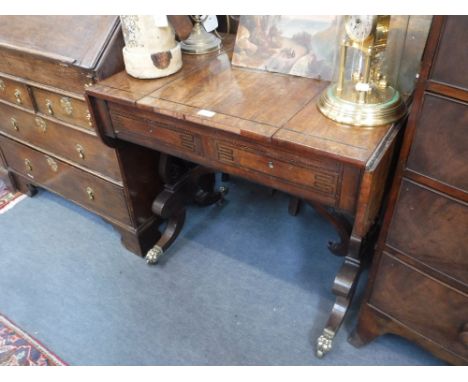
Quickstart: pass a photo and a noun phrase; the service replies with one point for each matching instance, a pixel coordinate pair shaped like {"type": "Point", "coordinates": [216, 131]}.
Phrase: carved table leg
{"type": "Point", "coordinates": [343, 287]}
{"type": "Point", "coordinates": [342, 226]}
{"type": "Point", "coordinates": [173, 228]}
{"type": "Point", "coordinates": [294, 205]}
{"type": "Point", "coordinates": [185, 182]}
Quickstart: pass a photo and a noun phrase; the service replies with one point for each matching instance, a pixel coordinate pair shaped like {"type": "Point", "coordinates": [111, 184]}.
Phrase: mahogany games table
{"type": "Point", "coordinates": [261, 126]}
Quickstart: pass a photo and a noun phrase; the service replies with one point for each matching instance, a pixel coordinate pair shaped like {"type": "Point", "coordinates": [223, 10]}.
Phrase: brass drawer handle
{"type": "Point", "coordinates": [66, 104]}
{"type": "Point", "coordinates": [28, 165]}
{"type": "Point", "coordinates": [88, 118]}
{"type": "Point", "coordinates": [18, 99]}
{"type": "Point", "coordinates": [90, 193]}
{"type": "Point", "coordinates": [14, 123]}
{"type": "Point", "coordinates": [2, 85]}
{"type": "Point", "coordinates": [41, 124]}
{"type": "Point", "coordinates": [52, 163]}
{"type": "Point", "coordinates": [50, 110]}
{"type": "Point", "coordinates": [80, 151]}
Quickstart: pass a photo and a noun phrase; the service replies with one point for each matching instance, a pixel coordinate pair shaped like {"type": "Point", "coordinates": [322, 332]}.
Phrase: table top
{"type": "Point", "coordinates": [270, 108]}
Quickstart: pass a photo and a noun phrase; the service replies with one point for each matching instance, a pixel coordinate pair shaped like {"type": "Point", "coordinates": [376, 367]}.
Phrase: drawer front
{"type": "Point", "coordinates": [15, 92]}
{"type": "Point", "coordinates": [77, 146]}
{"type": "Point", "coordinates": [452, 56]}
{"type": "Point", "coordinates": [432, 229]}
{"type": "Point", "coordinates": [164, 132]}
{"type": "Point", "coordinates": [428, 307]}
{"type": "Point", "coordinates": [322, 181]}
{"type": "Point", "coordinates": [62, 107]}
{"type": "Point", "coordinates": [440, 145]}
{"type": "Point", "coordinates": [72, 183]}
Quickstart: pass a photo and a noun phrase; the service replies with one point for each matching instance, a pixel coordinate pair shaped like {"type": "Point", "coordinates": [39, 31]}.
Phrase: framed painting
{"type": "Point", "coordinates": [304, 46]}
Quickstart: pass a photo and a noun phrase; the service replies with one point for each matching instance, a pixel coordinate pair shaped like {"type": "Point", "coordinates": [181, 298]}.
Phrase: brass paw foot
{"type": "Point", "coordinates": [324, 344]}
{"type": "Point", "coordinates": [154, 254]}
{"type": "Point", "coordinates": [223, 191]}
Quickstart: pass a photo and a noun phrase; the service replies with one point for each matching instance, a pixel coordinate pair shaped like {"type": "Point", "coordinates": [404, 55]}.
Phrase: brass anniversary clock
{"type": "Point", "coordinates": [364, 92]}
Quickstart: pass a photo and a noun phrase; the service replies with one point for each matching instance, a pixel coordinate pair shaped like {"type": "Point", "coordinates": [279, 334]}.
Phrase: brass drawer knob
{"type": "Point", "coordinates": [50, 110]}
{"type": "Point", "coordinates": [271, 165]}
{"type": "Point", "coordinates": [80, 151]}
{"type": "Point", "coordinates": [18, 99]}
{"type": "Point", "coordinates": [28, 165]}
{"type": "Point", "coordinates": [52, 164]}
{"type": "Point", "coordinates": [14, 123]}
{"type": "Point", "coordinates": [90, 193]}
{"type": "Point", "coordinates": [41, 124]}
{"type": "Point", "coordinates": [2, 85]}
{"type": "Point", "coordinates": [66, 105]}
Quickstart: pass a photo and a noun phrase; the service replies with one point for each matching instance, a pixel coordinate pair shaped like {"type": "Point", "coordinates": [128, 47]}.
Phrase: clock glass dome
{"type": "Point", "coordinates": [363, 91]}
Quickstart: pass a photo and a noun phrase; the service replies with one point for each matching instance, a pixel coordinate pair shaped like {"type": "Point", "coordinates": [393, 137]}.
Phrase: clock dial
{"type": "Point", "coordinates": [359, 27]}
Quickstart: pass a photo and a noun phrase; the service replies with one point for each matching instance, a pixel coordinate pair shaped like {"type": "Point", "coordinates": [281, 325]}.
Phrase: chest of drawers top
{"type": "Point", "coordinates": [64, 52]}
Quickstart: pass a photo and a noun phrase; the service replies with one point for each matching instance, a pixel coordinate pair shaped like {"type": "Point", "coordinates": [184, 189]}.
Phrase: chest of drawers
{"type": "Point", "coordinates": [419, 279]}
{"type": "Point", "coordinates": [47, 135]}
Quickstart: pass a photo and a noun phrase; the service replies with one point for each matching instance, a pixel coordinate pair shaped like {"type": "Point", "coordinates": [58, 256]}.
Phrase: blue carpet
{"type": "Point", "coordinates": [245, 284]}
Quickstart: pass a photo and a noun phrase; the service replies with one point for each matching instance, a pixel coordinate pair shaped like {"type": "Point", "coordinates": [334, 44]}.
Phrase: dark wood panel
{"type": "Point", "coordinates": [83, 188]}
{"type": "Point", "coordinates": [440, 146]}
{"type": "Point", "coordinates": [452, 55]}
{"type": "Point", "coordinates": [77, 146]}
{"type": "Point", "coordinates": [374, 183]}
{"type": "Point", "coordinates": [399, 290]}
{"type": "Point", "coordinates": [431, 228]}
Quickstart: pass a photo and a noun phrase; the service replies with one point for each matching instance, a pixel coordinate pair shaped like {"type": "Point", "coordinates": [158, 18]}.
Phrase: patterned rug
{"type": "Point", "coordinates": [18, 348]}
{"type": "Point", "coordinates": [8, 199]}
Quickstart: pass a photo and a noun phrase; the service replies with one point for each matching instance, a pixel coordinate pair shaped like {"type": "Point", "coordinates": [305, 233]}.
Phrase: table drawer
{"type": "Point", "coordinates": [430, 308]}
{"type": "Point", "coordinates": [164, 131]}
{"type": "Point", "coordinates": [15, 92]}
{"type": "Point", "coordinates": [80, 147]}
{"type": "Point", "coordinates": [431, 228]}
{"type": "Point", "coordinates": [440, 145]}
{"type": "Point", "coordinates": [316, 176]}
{"type": "Point", "coordinates": [68, 109]}
{"type": "Point", "coordinates": [72, 183]}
